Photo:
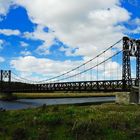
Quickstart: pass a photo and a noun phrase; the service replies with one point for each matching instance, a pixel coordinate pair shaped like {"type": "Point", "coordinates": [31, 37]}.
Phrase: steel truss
{"type": "Point", "coordinates": [113, 85]}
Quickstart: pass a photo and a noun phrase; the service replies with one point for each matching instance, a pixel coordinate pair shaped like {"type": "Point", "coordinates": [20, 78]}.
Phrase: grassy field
{"type": "Point", "coordinates": [60, 95]}
{"type": "Point", "coordinates": [94, 122]}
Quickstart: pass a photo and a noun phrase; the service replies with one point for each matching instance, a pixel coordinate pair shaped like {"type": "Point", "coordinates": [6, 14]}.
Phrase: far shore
{"type": "Point", "coordinates": [61, 95]}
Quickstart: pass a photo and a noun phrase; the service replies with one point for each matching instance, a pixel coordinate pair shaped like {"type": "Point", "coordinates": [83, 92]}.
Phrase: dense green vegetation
{"type": "Point", "coordinates": [94, 122]}
{"type": "Point", "coordinates": [7, 96]}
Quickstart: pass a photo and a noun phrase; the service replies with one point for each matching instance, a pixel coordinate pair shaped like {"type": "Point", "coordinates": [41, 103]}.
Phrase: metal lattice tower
{"type": "Point", "coordinates": [126, 70]}
{"type": "Point", "coordinates": [5, 80]}
{"type": "Point", "coordinates": [5, 74]}
{"type": "Point", "coordinates": [131, 48]}
{"type": "Point", "coordinates": [138, 61]}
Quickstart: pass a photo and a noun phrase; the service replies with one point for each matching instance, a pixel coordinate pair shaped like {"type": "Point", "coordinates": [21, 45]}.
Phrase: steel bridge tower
{"type": "Point", "coordinates": [131, 48]}
{"type": "Point", "coordinates": [5, 81]}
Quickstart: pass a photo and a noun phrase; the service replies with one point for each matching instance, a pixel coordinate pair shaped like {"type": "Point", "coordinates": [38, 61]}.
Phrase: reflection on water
{"type": "Point", "coordinates": [30, 103]}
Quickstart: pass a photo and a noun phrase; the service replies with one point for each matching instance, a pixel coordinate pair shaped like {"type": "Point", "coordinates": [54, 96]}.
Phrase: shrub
{"type": "Point", "coordinates": [82, 130]}
{"type": "Point", "coordinates": [50, 119]}
{"type": "Point", "coordinates": [19, 134]}
{"type": "Point", "coordinates": [43, 134]}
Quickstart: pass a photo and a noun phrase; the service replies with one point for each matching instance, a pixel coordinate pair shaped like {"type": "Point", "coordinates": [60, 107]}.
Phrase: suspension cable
{"type": "Point", "coordinates": [56, 77]}
{"type": "Point", "coordinates": [92, 66]}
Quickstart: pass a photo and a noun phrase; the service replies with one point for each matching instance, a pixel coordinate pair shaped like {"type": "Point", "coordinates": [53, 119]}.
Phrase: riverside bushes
{"type": "Point", "coordinates": [99, 122]}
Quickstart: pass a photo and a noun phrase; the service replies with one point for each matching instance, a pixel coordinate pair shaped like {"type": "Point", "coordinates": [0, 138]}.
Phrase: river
{"type": "Point", "coordinates": [31, 103]}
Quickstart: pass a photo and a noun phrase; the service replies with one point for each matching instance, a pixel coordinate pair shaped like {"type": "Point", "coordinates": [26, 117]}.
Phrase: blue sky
{"type": "Point", "coordinates": [61, 39]}
{"type": "Point", "coordinates": [17, 18]}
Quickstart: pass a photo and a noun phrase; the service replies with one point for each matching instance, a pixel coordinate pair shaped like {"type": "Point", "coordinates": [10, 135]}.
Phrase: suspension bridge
{"type": "Point", "coordinates": [117, 68]}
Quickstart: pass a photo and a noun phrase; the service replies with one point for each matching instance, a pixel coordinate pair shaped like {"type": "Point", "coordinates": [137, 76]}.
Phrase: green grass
{"type": "Point", "coordinates": [94, 122]}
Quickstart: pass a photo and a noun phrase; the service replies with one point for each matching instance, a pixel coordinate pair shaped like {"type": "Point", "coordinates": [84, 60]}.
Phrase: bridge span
{"type": "Point", "coordinates": [111, 70]}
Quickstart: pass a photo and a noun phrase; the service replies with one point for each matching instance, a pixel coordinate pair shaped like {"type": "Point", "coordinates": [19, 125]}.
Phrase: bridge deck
{"type": "Point", "coordinates": [89, 86]}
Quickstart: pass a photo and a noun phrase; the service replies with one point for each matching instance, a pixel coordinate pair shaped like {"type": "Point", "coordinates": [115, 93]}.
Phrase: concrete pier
{"type": "Point", "coordinates": [129, 97]}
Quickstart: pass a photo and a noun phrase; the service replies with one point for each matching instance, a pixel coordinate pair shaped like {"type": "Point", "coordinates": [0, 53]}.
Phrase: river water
{"type": "Point", "coordinates": [30, 103]}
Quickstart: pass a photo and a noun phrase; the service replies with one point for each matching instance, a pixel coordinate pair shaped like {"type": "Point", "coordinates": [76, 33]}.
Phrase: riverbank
{"type": "Point", "coordinates": [69, 122]}
{"type": "Point", "coordinates": [61, 95]}
{"type": "Point", "coordinates": [33, 103]}
{"type": "Point", "coordinates": [7, 97]}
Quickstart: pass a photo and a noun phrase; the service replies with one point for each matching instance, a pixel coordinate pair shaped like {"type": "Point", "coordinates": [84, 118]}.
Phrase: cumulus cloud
{"type": "Point", "coordinates": [135, 26]}
{"type": "Point", "coordinates": [135, 31]}
{"type": "Point", "coordinates": [4, 6]}
{"type": "Point", "coordinates": [24, 44]}
{"type": "Point", "coordinates": [86, 26]}
{"type": "Point", "coordinates": [29, 65]}
{"type": "Point", "coordinates": [47, 39]}
{"type": "Point", "coordinates": [42, 66]}
{"type": "Point", "coordinates": [89, 26]}
{"type": "Point", "coordinates": [25, 53]}
{"type": "Point", "coordinates": [9, 32]}
{"type": "Point", "coordinates": [2, 59]}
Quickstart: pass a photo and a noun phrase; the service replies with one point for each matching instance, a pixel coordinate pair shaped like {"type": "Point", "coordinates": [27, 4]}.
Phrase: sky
{"type": "Point", "coordinates": [44, 38]}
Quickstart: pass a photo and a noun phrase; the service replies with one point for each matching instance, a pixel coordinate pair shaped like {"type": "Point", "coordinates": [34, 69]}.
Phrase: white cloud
{"type": "Point", "coordinates": [40, 34]}
{"type": "Point", "coordinates": [30, 77]}
{"type": "Point", "coordinates": [43, 49]}
{"type": "Point", "coordinates": [24, 44]}
{"type": "Point", "coordinates": [4, 6]}
{"type": "Point", "coordinates": [89, 25]}
{"type": "Point", "coordinates": [9, 32]}
{"type": "Point", "coordinates": [137, 21]}
{"type": "Point", "coordinates": [25, 53]}
{"type": "Point", "coordinates": [135, 31]}
{"type": "Point", "coordinates": [135, 25]}
{"type": "Point", "coordinates": [45, 67]}
{"type": "Point", "coordinates": [35, 68]}
{"type": "Point", "coordinates": [2, 59]}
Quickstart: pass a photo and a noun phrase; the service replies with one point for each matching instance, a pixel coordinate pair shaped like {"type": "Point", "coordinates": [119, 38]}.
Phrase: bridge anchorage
{"type": "Point", "coordinates": [97, 74]}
